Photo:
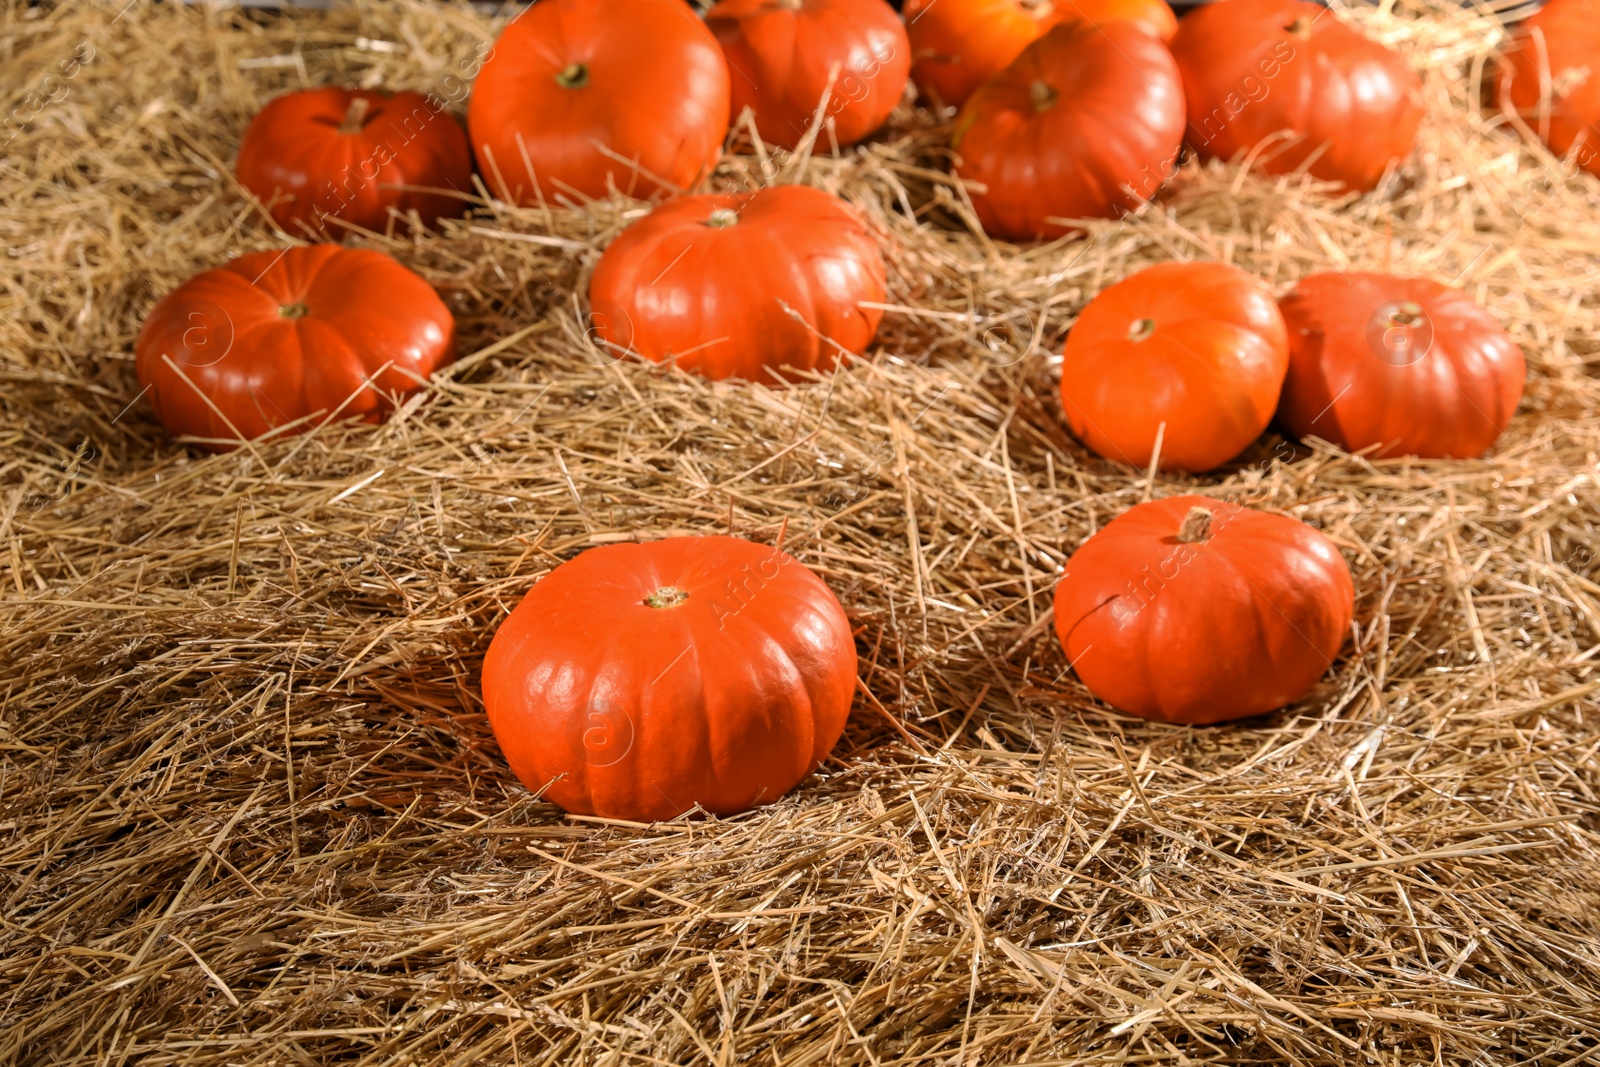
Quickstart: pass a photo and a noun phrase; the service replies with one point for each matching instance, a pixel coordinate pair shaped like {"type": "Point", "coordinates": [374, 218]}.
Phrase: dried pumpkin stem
{"type": "Point", "coordinates": [1300, 27]}
{"type": "Point", "coordinates": [1407, 314]}
{"type": "Point", "coordinates": [575, 76]}
{"type": "Point", "coordinates": [293, 311]}
{"type": "Point", "coordinates": [666, 597]}
{"type": "Point", "coordinates": [722, 218]}
{"type": "Point", "coordinates": [1044, 97]}
{"type": "Point", "coordinates": [1141, 329]}
{"type": "Point", "coordinates": [1196, 528]}
{"type": "Point", "coordinates": [355, 116]}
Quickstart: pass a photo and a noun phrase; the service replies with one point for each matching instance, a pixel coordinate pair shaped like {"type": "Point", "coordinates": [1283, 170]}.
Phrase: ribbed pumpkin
{"type": "Point", "coordinates": [1404, 366]}
{"type": "Point", "coordinates": [1191, 353]}
{"type": "Point", "coordinates": [1085, 123]}
{"type": "Point", "coordinates": [353, 155]}
{"type": "Point", "coordinates": [582, 96]}
{"type": "Point", "coordinates": [637, 681]}
{"type": "Point", "coordinates": [1194, 610]}
{"type": "Point", "coordinates": [754, 287]}
{"type": "Point", "coordinates": [1289, 78]}
{"type": "Point", "coordinates": [296, 335]}
{"type": "Point", "coordinates": [784, 54]}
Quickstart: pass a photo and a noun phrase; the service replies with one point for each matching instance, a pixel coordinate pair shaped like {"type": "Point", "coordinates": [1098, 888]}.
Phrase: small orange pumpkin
{"type": "Point", "coordinates": [353, 155]}
{"type": "Point", "coordinates": [289, 336]}
{"type": "Point", "coordinates": [1290, 74]}
{"type": "Point", "coordinates": [639, 680]}
{"type": "Point", "coordinates": [1085, 123]}
{"type": "Point", "coordinates": [784, 54]}
{"type": "Point", "coordinates": [1193, 610]}
{"type": "Point", "coordinates": [1408, 365]}
{"type": "Point", "coordinates": [750, 287]}
{"type": "Point", "coordinates": [1197, 348]}
{"type": "Point", "coordinates": [582, 96]}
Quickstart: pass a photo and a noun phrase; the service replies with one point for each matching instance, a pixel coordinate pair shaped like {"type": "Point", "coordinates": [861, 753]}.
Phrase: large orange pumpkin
{"type": "Point", "coordinates": [956, 45]}
{"type": "Point", "coordinates": [784, 54]}
{"type": "Point", "coordinates": [1549, 75]}
{"type": "Point", "coordinates": [1193, 610]}
{"type": "Point", "coordinates": [298, 335]}
{"type": "Point", "coordinates": [580, 96]}
{"type": "Point", "coordinates": [1403, 365]}
{"type": "Point", "coordinates": [355, 156]}
{"type": "Point", "coordinates": [1085, 123]}
{"type": "Point", "coordinates": [1194, 353]}
{"type": "Point", "coordinates": [639, 680]}
{"type": "Point", "coordinates": [742, 287]}
{"type": "Point", "coordinates": [1290, 75]}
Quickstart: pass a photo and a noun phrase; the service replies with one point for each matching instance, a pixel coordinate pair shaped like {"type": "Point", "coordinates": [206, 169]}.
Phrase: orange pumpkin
{"type": "Point", "coordinates": [1549, 78]}
{"type": "Point", "coordinates": [355, 156]}
{"type": "Point", "coordinates": [1193, 610]}
{"type": "Point", "coordinates": [1085, 123]}
{"type": "Point", "coordinates": [639, 680]}
{"type": "Point", "coordinates": [1290, 75]}
{"type": "Point", "coordinates": [1405, 366]}
{"type": "Point", "coordinates": [580, 96]}
{"type": "Point", "coordinates": [294, 336]}
{"type": "Point", "coordinates": [750, 287]}
{"type": "Point", "coordinates": [784, 54]}
{"type": "Point", "coordinates": [1194, 353]}
{"type": "Point", "coordinates": [956, 45]}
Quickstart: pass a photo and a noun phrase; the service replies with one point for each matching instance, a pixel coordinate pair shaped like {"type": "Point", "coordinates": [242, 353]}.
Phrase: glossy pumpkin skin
{"type": "Point", "coordinates": [1240, 623]}
{"type": "Point", "coordinates": [1405, 364]}
{"type": "Point", "coordinates": [638, 680]}
{"type": "Point", "coordinates": [281, 336]}
{"type": "Point", "coordinates": [1083, 114]}
{"type": "Point", "coordinates": [1549, 75]}
{"type": "Point", "coordinates": [958, 44]}
{"type": "Point", "coordinates": [581, 95]}
{"type": "Point", "coordinates": [711, 281]}
{"type": "Point", "coordinates": [1199, 347]}
{"type": "Point", "coordinates": [781, 58]}
{"type": "Point", "coordinates": [1289, 72]}
{"type": "Point", "coordinates": [352, 155]}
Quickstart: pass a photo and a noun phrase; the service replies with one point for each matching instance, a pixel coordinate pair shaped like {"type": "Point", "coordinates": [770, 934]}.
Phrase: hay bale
{"type": "Point", "coordinates": [250, 811]}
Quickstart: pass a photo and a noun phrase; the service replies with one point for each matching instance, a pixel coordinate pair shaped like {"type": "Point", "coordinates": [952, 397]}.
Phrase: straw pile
{"type": "Point", "coordinates": [250, 811]}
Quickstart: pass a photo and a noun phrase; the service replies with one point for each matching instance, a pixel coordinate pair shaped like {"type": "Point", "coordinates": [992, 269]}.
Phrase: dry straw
{"type": "Point", "coordinates": [250, 811]}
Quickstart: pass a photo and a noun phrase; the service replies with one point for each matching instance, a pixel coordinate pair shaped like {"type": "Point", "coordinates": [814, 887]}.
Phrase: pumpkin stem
{"type": "Point", "coordinates": [1407, 314]}
{"type": "Point", "coordinates": [666, 597]}
{"type": "Point", "coordinates": [1141, 329]}
{"type": "Point", "coordinates": [791, 5]}
{"type": "Point", "coordinates": [575, 76]}
{"type": "Point", "coordinates": [293, 311]}
{"type": "Point", "coordinates": [1044, 97]}
{"type": "Point", "coordinates": [1300, 27]}
{"type": "Point", "coordinates": [722, 218]}
{"type": "Point", "coordinates": [355, 115]}
{"type": "Point", "coordinates": [1196, 528]}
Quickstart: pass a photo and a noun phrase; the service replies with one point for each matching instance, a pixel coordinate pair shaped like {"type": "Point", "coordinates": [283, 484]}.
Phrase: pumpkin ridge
{"type": "Point", "coordinates": [1294, 546]}
{"type": "Point", "coordinates": [801, 721]}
